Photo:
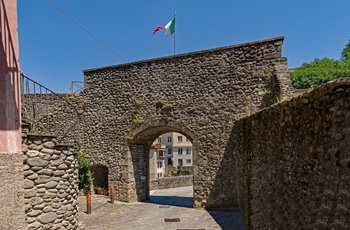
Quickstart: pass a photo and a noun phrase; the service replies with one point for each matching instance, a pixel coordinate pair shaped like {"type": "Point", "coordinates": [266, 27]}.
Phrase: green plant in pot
{"type": "Point", "coordinates": [85, 175]}
{"type": "Point", "coordinates": [101, 190]}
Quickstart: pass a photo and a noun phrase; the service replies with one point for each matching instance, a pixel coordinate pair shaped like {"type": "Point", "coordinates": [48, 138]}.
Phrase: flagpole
{"type": "Point", "coordinates": [175, 33]}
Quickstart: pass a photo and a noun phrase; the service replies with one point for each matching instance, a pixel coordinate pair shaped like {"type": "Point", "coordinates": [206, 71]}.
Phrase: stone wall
{"type": "Point", "coordinates": [171, 182]}
{"type": "Point", "coordinates": [288, 167]}
{"type": "Point", "coordinates": [199, 94]}
{"type": "Point", "coordinates": [50, 183]}
{"type": "Point", "coordinates": [54, 114]}
{"type": "Point", "coordinates": [11, 190]}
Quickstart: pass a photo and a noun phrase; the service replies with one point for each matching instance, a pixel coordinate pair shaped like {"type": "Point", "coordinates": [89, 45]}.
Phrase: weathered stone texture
{"type": "Point", "coordinates": [171, 182]}
{"type": "Point", "coordinates": [51, 113]}
{"type": "Point", "coordinates": [12, 204]}
{"type": "Point", "coordinates": [199, 94]}
{"type": "Point", "coordinates": [290, 164]}
{"type": "Point", "coordinates": [45, 180]}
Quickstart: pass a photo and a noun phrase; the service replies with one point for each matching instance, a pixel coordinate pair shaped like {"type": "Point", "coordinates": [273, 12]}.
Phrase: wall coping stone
{"type": "Point", "coordinates": [275, 39]}
{"type": "Point", "coordinates": [29, 135]}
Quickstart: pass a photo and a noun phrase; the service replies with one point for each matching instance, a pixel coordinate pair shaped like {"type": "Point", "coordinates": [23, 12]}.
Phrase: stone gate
{"type": "Point", "coordinates": [201, 95]}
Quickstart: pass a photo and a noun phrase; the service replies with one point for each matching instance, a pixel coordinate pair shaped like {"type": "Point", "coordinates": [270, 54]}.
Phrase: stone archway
{"type": "Point", "coordinates": [200, 94]}
{"type": "Point", "coordinates": [138, 149]}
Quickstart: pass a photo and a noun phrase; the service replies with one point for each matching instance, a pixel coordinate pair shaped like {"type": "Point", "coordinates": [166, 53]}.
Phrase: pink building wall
{"type": "Point", "coordinates": [12, 208]}
{"type": "Point", "coordinates": [10, 107]}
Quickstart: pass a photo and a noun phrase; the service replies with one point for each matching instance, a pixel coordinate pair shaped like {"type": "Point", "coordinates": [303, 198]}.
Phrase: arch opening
{"type": "Point", "coordinates": [163, 157]}
{"type": "Point", "coordinates": [100, 178]}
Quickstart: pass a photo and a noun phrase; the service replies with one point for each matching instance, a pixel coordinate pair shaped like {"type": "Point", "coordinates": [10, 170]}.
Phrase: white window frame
{"type": "Point", "coordinates": [159, 164]}
{"type": "Point", "coordinates": [179, 151]}
{"type": "Point", "coordinates": [188, 151]}
{"type": "Point", "coordinates": [179, 138]}
{"type": "Point", "coordinates": [188, 161]}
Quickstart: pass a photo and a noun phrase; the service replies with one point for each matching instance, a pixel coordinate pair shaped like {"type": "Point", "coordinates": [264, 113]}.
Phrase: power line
{"type": "Point", "coordinates": [93, 35]}
{"type": "Point", "coordinates": [142, 71]}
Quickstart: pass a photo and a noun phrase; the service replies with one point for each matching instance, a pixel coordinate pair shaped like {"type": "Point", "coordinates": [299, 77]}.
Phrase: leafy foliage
{"type": "Point", "coordinates": [345, 54]}
{"type": "Point", "coordinates": [320, 71]}
{"type": "Point", "coordinates": [85, 175]}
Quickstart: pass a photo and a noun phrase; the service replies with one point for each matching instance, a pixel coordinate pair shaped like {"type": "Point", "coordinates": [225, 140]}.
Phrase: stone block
{"type": "Point", "coordinates": [36, 200]}
{"type": "Point", "coordinates": [47, 151]}
{"type": "Point", "coordinates": [34, 213]}
{"type": "Point", "coordinates": [33, 226]}
{"type": "Point", "coordinates": [33, 176]}
{"type": "Point", "coordinates": [37, 161]}
{"type": "Point", "coordinates": [123, 162]}
{"type": "Point", "coordinates": [51, 184]}
{"type": "Point", "coordinates": [45, 156]}
{"type": "Point", "coordinates": [49, 145]}
{"type": "Point", "coordinates": [47, 172]}
{"type": "Point", "coordinates": [32, 153]}
{"type": "Point", "coordinates": [47, 217]}
{"type": "Point", "coordinates": [30, 192]}
{"type": "Point", "coordinates": [28, 184]}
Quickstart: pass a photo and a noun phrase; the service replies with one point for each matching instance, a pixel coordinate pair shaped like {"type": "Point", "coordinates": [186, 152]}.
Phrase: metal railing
{"type": "Point", "coordinates": [47, 112]}
{"type": "Point", "coordinates": [76, 87]}
{"type": "Point", "coordinates": [37, 101]}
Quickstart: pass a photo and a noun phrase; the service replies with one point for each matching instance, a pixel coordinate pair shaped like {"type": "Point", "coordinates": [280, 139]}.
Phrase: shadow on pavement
{"type": "Point", "coordinates": [186, 202]}
{"type": "Point", "coordinates": [228, 218]}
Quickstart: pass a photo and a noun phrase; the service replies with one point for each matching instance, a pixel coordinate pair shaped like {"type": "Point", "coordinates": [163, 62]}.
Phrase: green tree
{"type": "Point", "coordinates": [85, 175]}
{"type": "Point", "coordinates": [320, 71]}
{"type": "Point", "coordinates": [345, 54]}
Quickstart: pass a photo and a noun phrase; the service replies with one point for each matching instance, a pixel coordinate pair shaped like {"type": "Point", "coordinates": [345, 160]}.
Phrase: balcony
{"type": "Point", "coordinates": [158, 146]}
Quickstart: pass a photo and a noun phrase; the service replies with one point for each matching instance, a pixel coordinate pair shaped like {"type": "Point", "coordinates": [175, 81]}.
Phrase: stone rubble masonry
{"type": "Point", "coordinates": [171, 182]}
{"type": "Point", "coordinates": [50, 183]}
{"type": "Point", "coordinates": [199, 94]}
{"type": "Point", "coordinates": [288, 166]}
{"type": "Point", "coordinates": [54, 114]}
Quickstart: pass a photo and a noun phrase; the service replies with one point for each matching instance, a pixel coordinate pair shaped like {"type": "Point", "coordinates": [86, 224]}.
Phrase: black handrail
{"type": "Point", "coordinates": [48, 112]}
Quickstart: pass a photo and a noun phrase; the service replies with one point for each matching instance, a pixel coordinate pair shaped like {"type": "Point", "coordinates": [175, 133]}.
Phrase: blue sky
{"type": "Point", "coordinates": [54, 50]}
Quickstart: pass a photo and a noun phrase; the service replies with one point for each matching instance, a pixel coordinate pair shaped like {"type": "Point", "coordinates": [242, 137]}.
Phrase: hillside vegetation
{"type": "Point", "coordinates": [320, 71]}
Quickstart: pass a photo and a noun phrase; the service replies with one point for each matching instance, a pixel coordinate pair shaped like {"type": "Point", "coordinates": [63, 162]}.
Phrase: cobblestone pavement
{"type": "Point", "coordinates": [163, 204]}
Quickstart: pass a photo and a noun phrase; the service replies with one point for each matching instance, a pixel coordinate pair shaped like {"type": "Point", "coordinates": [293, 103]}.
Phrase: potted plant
{"type": "Point", "coordinates": [85, 175]}
{"type": "Point", "coordinates": [101, 190]}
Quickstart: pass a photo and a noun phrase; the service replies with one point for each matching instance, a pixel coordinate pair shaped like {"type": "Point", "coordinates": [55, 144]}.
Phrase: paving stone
{"type": "Point", "coordinates": [149, 215]}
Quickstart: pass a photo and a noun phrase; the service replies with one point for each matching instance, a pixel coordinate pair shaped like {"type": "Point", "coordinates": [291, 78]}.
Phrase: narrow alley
{"type": "Point", "coordinates": [167, 209]}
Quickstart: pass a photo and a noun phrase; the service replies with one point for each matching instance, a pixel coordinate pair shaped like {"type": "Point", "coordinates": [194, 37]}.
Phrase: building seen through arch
{"type": "Point", "coordinates": [171, 153]}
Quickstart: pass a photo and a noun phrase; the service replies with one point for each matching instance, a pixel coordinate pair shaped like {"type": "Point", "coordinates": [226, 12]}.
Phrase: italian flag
{"type": "Point", "coordinates": [170, 28]}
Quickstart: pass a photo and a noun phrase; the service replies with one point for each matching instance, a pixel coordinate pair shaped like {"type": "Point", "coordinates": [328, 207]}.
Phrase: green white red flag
{"type": "Point", "coordinates": [170, 28]}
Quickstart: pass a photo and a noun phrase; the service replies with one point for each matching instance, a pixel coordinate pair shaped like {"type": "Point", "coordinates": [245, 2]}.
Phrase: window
{"type": "Point", "coordinates": [188, 151]}
{"type": "Point", "coordinates": [179, 138]}
{"type": "Point", "coordinates": [169, 139]}
{"type": "Point", "coordinates": [159, 164]}
{"type": "Point", "coordinates": [187, 139]}
{"type": "Point", "coordinates": [180, 151]}
{"type": "Point", "coordinates": [170, 162]}
{"type": "Point", "coordinates": [188, 161]}
{"type": "Point", "coordinates": [159, 139]}
{"type": "Point", "coordinates": [161, 153]}
{"type": "Point", "coordinates": [160, 174]}
{"type": "Point", "coordinates": [169, 151]}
